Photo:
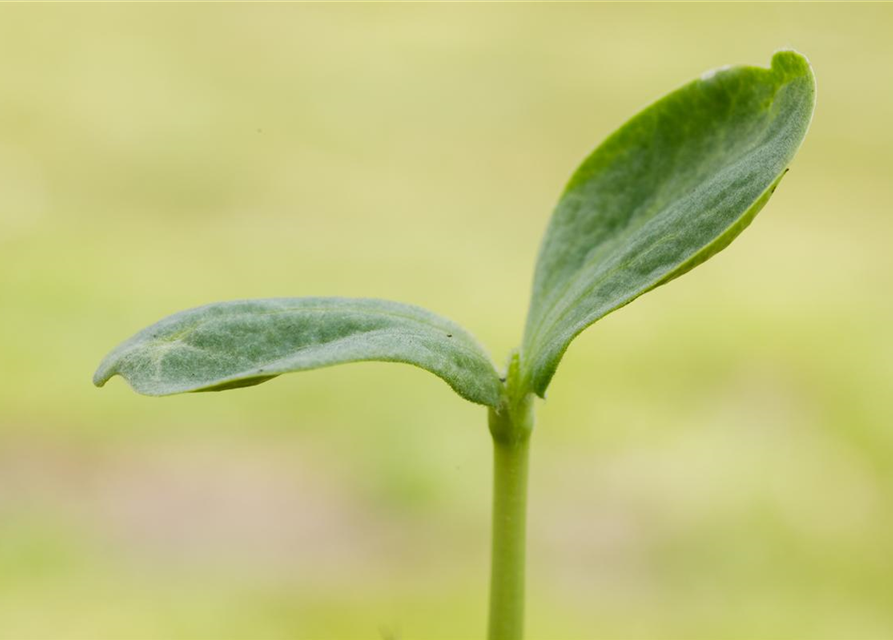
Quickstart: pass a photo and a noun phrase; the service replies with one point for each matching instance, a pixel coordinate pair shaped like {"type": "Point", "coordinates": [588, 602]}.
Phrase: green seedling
{"type": "Point", "coordinates": [668, 190]}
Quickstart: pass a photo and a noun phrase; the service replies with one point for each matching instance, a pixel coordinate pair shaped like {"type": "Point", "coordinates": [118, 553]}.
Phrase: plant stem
{"type": "Point", "coordinates": [511, 425]}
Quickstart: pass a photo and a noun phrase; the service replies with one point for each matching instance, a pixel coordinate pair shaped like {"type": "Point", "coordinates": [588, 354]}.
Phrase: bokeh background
{"type": "Point", "coordinates": [713, 461]}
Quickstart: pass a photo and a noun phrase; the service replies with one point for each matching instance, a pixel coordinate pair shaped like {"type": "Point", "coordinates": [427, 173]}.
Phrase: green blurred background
{"type": "Point", "coordinates": [714, 461]}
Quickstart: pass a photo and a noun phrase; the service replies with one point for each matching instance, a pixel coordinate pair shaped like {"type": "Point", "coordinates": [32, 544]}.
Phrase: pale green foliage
{"type": "Point", "coordinates": [243, 343]}
{"type": "Point", "coordinates": [669, 189]}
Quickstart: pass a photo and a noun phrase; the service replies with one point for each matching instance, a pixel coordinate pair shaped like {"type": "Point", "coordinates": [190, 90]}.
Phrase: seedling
{"type": "Point", "coordinates": [668, 190]}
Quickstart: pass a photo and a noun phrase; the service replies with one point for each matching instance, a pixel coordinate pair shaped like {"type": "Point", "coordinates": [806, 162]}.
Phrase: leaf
{"type": "Point", "coordinates": [242, 343]}
{"type": "Point", "coordinates": [668, 190]}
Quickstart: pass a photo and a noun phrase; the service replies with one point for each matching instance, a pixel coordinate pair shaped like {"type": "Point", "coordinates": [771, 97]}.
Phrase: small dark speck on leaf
{"type": "Point", "coordinates": [449, 335]}
{"type": "Point", "coordinates": [502, 379]}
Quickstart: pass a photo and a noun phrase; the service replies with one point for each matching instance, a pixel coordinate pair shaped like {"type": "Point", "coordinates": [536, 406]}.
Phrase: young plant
{"type": "Point", "coordinates": [668, 190]}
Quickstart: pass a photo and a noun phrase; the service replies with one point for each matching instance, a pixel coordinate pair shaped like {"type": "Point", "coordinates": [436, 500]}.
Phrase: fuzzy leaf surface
{"type": "Point", "coordinates": [242, 343]}
{"type": "Point", "coordinates": [668, 190]}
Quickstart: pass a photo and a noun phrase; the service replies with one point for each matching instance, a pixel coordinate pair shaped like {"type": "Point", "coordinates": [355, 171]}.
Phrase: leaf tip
{"type": "Point", "coordinates": [791, 63]}
{"type": "Point", "coordinates": [793, 66]}
{"type": "Point", "coordinates": [102, 374]}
